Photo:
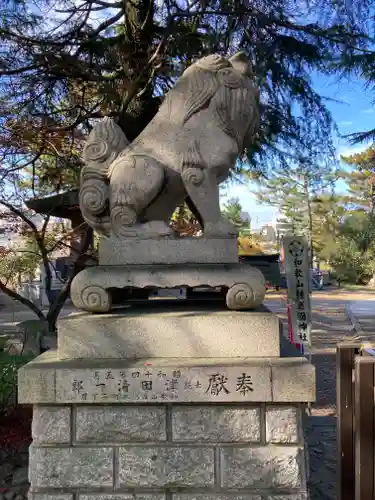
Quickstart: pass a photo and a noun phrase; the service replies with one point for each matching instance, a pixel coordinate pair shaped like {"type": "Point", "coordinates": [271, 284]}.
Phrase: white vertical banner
{"type": "Point", "coordinates": [297, 269]}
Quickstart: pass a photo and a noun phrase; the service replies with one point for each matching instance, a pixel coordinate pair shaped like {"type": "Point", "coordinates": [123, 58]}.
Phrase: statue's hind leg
{"type": "Point", "coordinates": [135, 181]}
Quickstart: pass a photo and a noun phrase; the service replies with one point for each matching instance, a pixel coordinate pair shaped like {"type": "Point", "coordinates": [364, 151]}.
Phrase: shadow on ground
{"type": "Point", "coordinates": [321, 441]}
{"type": "Point", "coordinates": [321, 430]}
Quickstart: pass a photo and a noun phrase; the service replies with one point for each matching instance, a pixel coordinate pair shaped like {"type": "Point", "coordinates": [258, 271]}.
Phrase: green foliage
{"type": "Point", "coordinates": [232, 211]}
{"type": "Point", "coordinates": [51, 175]}
{"type": "Point", "coordinates": [21, 262]}
{"type": "Point", "coordinates": [328, 211]}
{"type": "Point", "coordinates": [350, 247]}
{"type": "Point", "coordinates": [64, 65]}
{"type": "Point", "coordinates": [3, 343]}
{"type": "Point", "coordinates": [350, 263]}
{"type": "Point", "coordinates": [9, 365]}
{"type": "Point", "coordinates": [13, 266]}
{"type": "Point", "coordinates": [303, 192]}
{"type": "Point", "coordinates": [361, 179]}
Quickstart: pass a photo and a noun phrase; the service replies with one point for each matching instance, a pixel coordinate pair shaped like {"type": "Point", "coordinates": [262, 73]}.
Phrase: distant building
{"type": "Point", "coordinates": [13, 230]}
{"type": "Point", "coordinates": [267, 236]}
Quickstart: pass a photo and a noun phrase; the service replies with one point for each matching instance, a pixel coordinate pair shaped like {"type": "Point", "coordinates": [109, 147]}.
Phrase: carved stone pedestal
{"type": "Point", "coordinates": [92, 289]}
{"type": "Point", "coordinates": [213, 423]}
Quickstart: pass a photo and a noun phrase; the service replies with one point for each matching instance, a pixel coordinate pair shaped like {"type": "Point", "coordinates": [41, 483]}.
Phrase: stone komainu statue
{"type": "Point", "coordinates": [187, 150]}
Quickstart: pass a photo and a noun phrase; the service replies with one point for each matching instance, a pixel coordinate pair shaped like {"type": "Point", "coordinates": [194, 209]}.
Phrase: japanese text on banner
{"type": "Point", "coordinates": [298, 278]}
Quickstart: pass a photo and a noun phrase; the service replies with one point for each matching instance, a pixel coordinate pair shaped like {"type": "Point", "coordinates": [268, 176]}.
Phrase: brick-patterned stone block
{"type": "Point", "coordinates": [262, 467]}
{"type": "Point", "coordinates": [46, 496]}
{"type": "Point", "coordinates": [126, 496]}
{"type": "Point", "coordinates": [282, 424]}
{"type": "Point", "coordinates": [163, 466]}
{"type": "Point", "coordinates": [125, 423]}
{"type": "Point", "coordinates": [51, 425]}
{"type": "Point", "coordinates": [215, 423]}
{"type": "Point", "coordinates": [205, 496]}
{"type": "Point", "coordinates": [70, 467]}
{"type": "Point", "coordinates": [298, 496]}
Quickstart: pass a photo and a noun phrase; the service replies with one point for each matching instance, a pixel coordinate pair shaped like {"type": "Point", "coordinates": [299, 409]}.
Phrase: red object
{"type": "Point", "coordinates": [290, 326]}
{"type": "Point", "coordinates": [15, 429]}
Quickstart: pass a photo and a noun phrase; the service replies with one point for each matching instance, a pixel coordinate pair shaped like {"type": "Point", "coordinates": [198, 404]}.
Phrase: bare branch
{"type": "Point", "coordinates": [23, 300]}
{"type": "Point", "coordinates": [67, 235]}
{"type": "Point", "coordinates": [21, 167]}
{"type": "Point", "coordinates": [64, 293]}
{"type": "Point", "coordinates": [21, 215]}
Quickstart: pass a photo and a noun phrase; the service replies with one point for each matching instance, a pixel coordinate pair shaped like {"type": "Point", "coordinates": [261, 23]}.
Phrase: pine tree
{"type": "Point", "coordinates": [297, 191]}
{"type": "Point", "coordinates": [232, 210]}
{"type": "Point", "coordinates": [354, 254]}
{"type": "Point", "coordinates": [361, 180]}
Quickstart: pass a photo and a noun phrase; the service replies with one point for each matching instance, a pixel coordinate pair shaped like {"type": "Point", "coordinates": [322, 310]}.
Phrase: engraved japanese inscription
{"type": "Point", "coordinates": [298, 278]}
{"type": "Point", "coordinates": [152, 384]}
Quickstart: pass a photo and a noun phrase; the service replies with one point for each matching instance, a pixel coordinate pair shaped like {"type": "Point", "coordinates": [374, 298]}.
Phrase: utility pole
{"type": "Point", "coordinates": [310, 220]}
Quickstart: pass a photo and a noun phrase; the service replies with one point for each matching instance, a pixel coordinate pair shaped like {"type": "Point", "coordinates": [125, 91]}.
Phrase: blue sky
{"type": "Point", "coordinates": [354, 113]}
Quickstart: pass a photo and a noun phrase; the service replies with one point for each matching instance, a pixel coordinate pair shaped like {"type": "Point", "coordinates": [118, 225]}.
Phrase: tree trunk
{"type": "Point", "coordinates": [371, 283]}
{"type": "Point", "coordinates": [79, 265]}
{"type": "Point", "coordinates": [310, 222]}
{"type": "Point", "coordinates": [139, 32]}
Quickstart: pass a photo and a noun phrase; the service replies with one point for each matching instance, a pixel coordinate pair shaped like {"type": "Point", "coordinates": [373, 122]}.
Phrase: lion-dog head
{"type": "Point", "coordinates": [224, 86]}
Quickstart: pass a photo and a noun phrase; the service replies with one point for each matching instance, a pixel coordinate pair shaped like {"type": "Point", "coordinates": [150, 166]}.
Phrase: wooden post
{"type": "Point", "coordinates": [79, 227]}
{"type": "Point", "coordinates": [345, 399]}
{"type": "Point", "coordinates": [364, 426]}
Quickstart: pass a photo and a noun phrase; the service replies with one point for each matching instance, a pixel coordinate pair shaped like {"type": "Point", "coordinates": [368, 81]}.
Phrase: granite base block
{"type": "Point", "coordinates": [161, 333]}
{"type": "Point", "coordinates": [161, 428]}
{"type": "Point", "coordinates": [234, 462]}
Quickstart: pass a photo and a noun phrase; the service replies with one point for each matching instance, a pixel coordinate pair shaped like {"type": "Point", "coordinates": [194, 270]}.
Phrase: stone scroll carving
{"type": "Point", "coordinates": [103, 146]}
{"type": "Point", "coordinates": [185, 151]}
{"type": "Point", "coordinates": [244, 286]}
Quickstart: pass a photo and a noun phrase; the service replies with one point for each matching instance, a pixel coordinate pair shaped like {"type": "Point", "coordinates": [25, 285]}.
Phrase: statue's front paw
{"type": "Point", "coordinates": [158, 229]}
{"type": "Point", "coordinates": [223, 228]}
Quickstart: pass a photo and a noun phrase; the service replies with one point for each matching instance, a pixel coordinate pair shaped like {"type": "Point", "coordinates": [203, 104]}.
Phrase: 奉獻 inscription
{"type": "Point", "coordinates": [150, 384]}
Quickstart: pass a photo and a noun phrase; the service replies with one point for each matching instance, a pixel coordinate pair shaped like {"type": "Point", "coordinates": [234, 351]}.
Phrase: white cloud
{"type": "Point", "coordinates": [259, 214]}
{"type": "Point", "coordinates": [369, 110]}
{"type": "Point", "coordinates": [344, 124]}
{"type": "Point", "coordinates": [350, 150]}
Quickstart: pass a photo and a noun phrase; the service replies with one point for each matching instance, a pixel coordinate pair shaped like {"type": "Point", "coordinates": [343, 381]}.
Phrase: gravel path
{"type": "Point", "coordinates": [330, 327]}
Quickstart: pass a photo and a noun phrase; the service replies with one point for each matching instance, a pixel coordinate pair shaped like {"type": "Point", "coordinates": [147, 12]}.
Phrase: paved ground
{"type": "Point", "coordinates": [13, 312]}
{"type": "Point", "coordinates": [330, 326]}
{"type": "Point", "coordinates": [362, 315]}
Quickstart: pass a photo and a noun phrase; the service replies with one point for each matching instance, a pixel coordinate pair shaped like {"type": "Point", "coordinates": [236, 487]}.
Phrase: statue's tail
{"type": "Point", "coordinates": [104, 143]}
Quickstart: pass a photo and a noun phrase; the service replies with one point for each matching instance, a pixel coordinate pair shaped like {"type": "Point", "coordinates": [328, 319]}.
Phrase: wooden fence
{"type": "Point", "coordinates": [356, 421]}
